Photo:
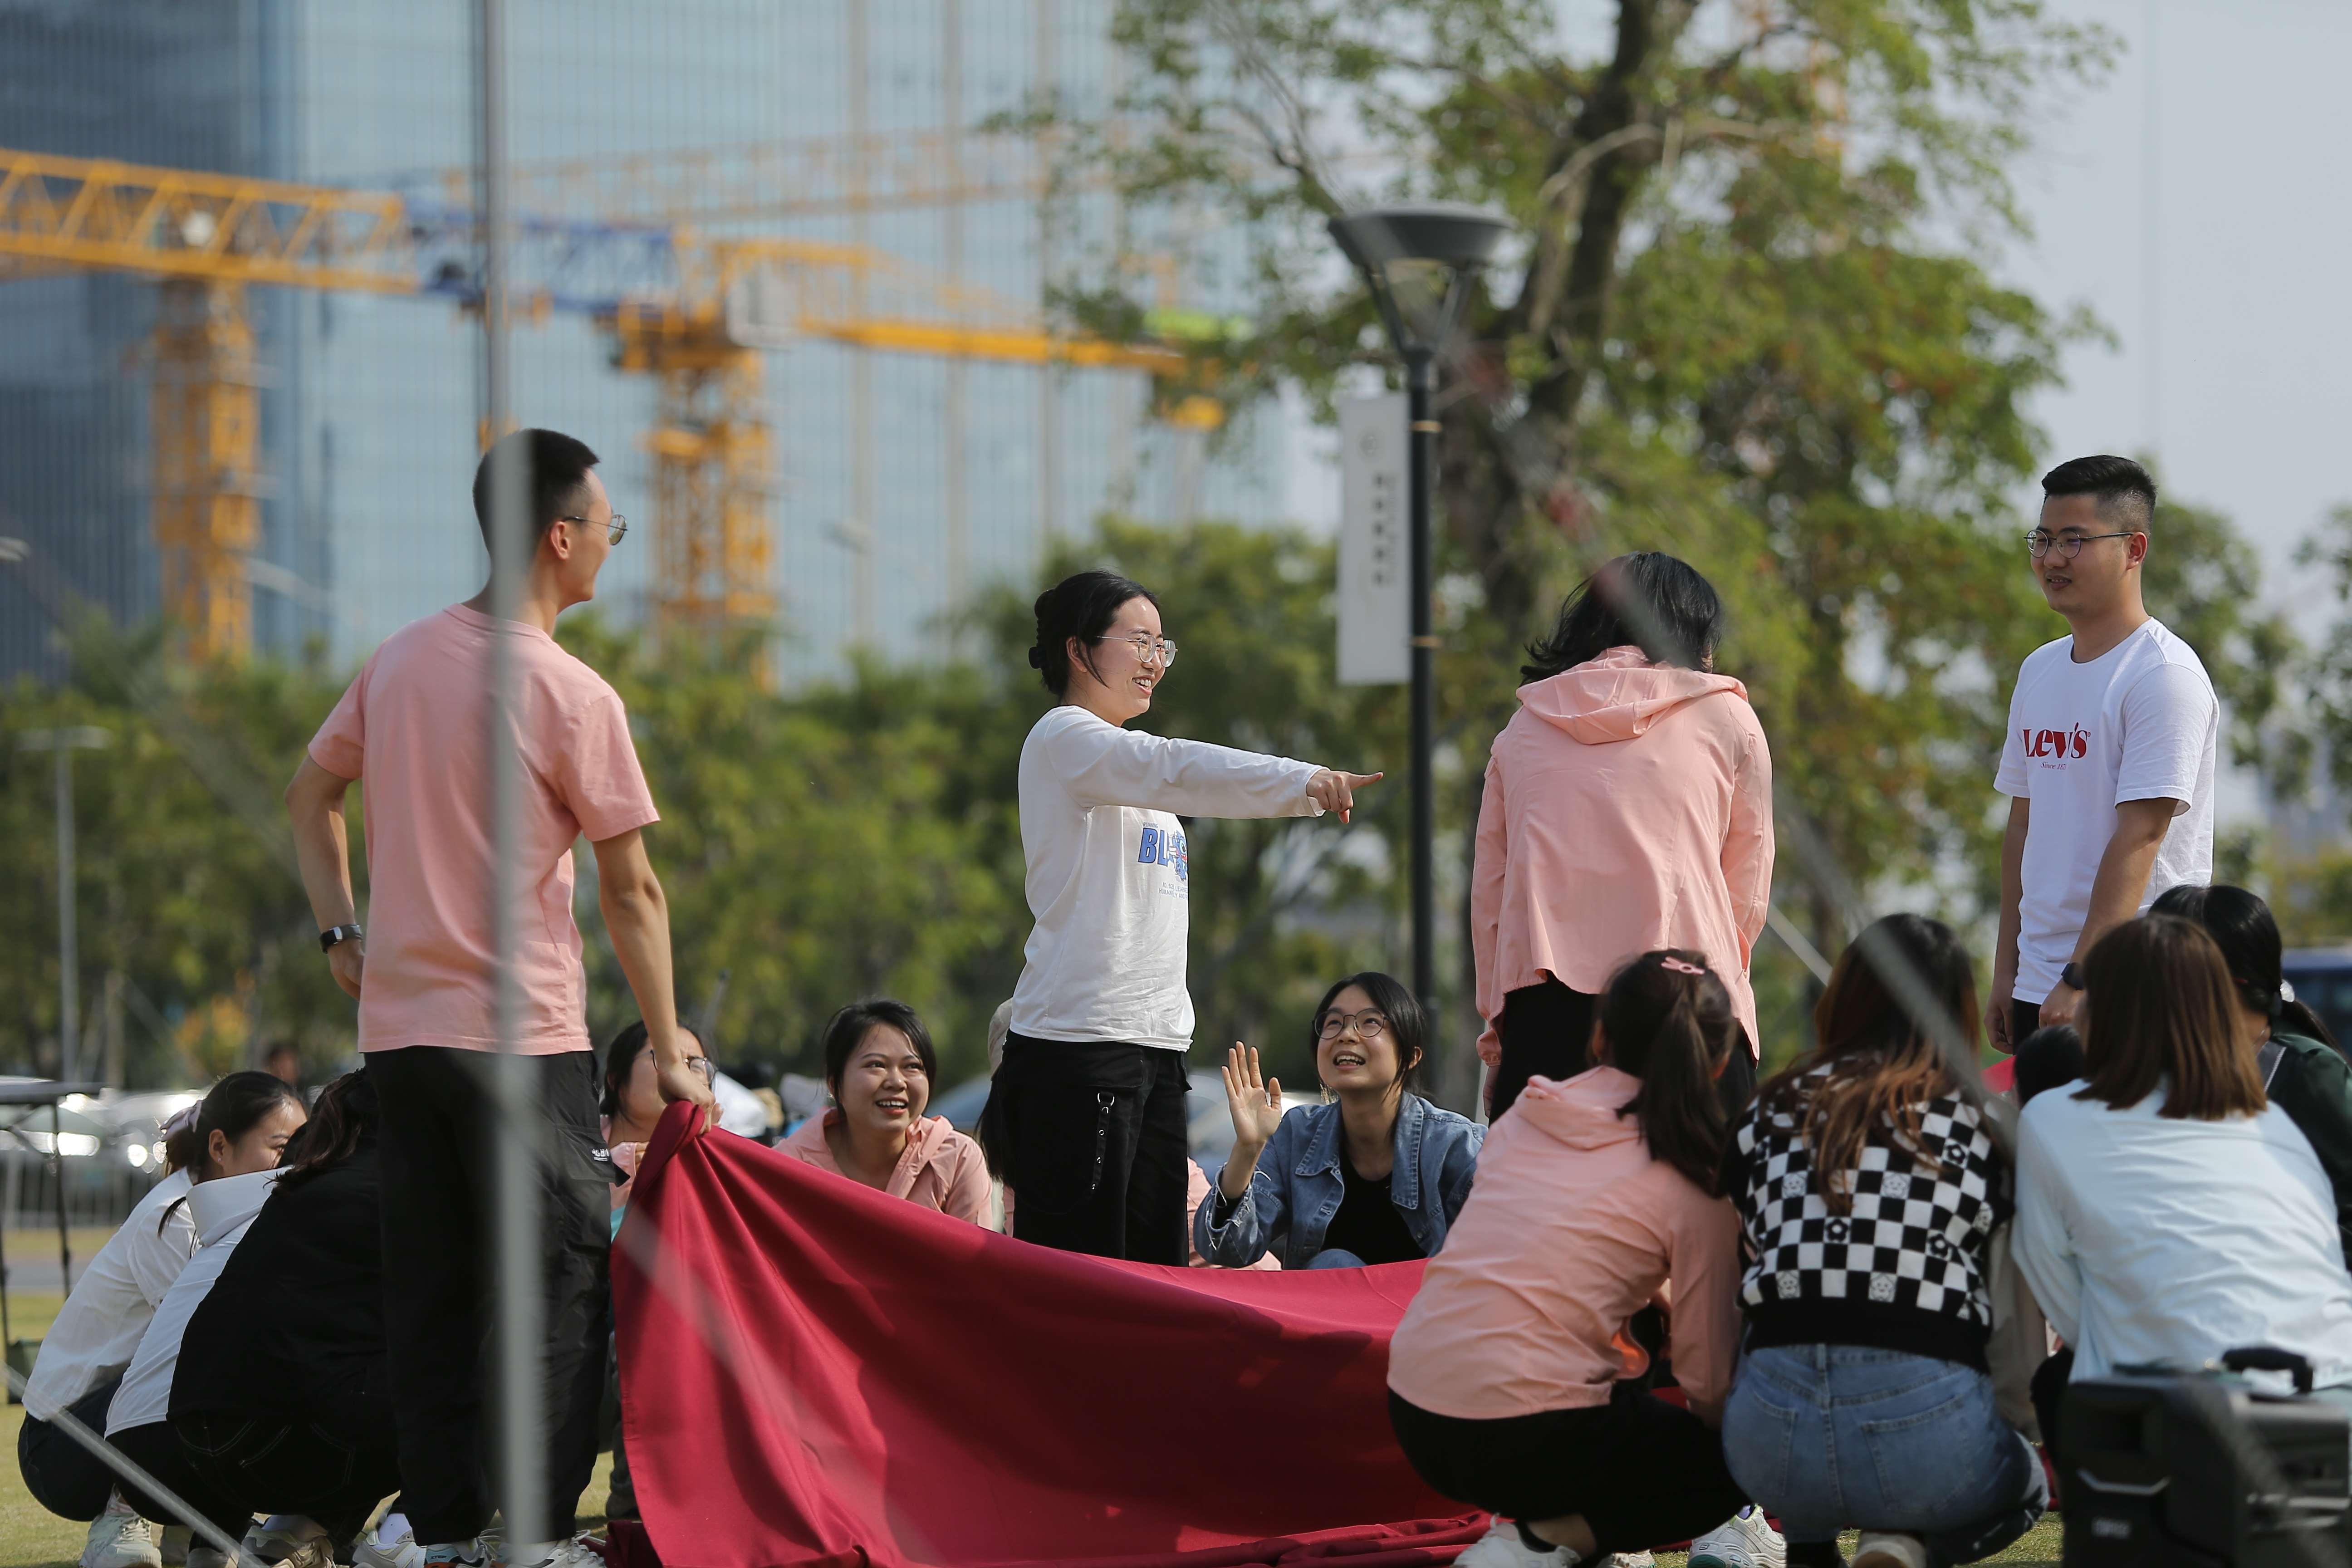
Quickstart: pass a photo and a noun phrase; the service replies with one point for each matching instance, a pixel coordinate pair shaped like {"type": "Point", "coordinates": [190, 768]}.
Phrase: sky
{"type": "Point", "coordinates": [2198, 202]}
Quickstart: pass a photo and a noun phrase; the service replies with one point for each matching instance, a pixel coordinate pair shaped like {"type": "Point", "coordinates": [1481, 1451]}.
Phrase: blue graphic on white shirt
{"type": "Point", "coordinates": [1164, 847]}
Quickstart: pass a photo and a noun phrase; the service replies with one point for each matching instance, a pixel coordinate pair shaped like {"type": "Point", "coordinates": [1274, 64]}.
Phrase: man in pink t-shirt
{"type": "Point", "coordinates": [416, 729]}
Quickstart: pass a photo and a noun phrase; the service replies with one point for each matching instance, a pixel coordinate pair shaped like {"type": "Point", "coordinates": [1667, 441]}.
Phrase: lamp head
{"type": "Point", "coordinates": [1420, 260]}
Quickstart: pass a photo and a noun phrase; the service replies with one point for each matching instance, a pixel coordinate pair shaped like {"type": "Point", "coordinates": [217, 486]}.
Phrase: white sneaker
{"type": "Point", "coordinates": [173, 1541]}
{"type": "Point", "coordinates": [291, 1541]}
{"type": "Point", "coordinates": [475, 1553]}
{"type": "Point", "coordinates": [400, 1551]}
{"type": "Point", "coordinates": [1743, 1541]}
{"type": "Point", "coordinates": [1501, 1547]}
{"type": "Point", "coordinates": [578, 1551]}
{"type": "Point", "coordinates": [1887, 1549]}
{"type": "Point", "coordinates": [120, 1539]}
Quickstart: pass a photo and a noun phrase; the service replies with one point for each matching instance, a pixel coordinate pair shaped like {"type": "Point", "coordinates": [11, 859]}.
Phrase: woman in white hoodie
{"type": "Point", "coordinates": [1087, 1112]}
{"type": "Point", "coordinates": [1628, 807]}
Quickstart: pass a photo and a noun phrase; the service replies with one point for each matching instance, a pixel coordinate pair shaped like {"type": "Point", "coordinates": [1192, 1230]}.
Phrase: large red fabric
{"type": "Point", "coordinates": [814, 1373]}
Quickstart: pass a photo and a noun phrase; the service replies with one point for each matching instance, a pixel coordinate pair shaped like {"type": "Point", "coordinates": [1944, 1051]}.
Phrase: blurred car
{"type": "Point", "coordinates": [2322, 978]}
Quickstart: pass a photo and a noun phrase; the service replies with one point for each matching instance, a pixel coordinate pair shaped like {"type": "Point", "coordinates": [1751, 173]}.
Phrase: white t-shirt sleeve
{"type": "Point", "coordinates": [2040, 1242]}
{"type": "Point", "coordinates": [2169, 714]}
{"type": "Point", "coordinates": [1102, 764]}
{"type": "Point", "coordinates": [2012, 778]}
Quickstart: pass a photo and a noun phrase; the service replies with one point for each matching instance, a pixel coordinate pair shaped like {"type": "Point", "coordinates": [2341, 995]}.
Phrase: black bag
{"type": "Point", "coordinates": [2166, 1469]}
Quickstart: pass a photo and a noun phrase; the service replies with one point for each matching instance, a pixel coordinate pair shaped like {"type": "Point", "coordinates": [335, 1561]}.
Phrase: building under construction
{"type": "Point", "coordinates": [778, 275]}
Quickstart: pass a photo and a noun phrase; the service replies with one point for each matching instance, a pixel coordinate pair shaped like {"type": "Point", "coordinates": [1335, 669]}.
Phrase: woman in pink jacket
{"type": "Point", "coordinates": [1518, 1379]}
{"type": "Point", "coordinates": [878, 1065]}
{"type": "Point", "coordinates": [1628, 807]}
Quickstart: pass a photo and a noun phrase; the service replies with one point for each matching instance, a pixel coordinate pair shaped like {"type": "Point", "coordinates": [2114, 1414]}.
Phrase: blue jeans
{"type": "Point", "coordinates": [1831, 1436]}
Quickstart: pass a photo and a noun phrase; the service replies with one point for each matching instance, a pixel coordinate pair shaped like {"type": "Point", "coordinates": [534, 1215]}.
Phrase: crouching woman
{"type": "Point", "coordinates": [1870, 1189]}
{"type": "Point", "coordinates": [1375, 1177]}
{"type": "Point", "coordinates": [1515, 1383]}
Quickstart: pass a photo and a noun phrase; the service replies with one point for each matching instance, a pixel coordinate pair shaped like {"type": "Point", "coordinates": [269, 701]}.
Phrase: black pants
{"type": "Point", "coordinates": [1546, 1031]}
{"type": "Point", "coordinates": [1093, 1146]}
{"type": "Point", "coordinates": [439, 1148]}
{"type": "Point", "coordinates": [333, 1470]}
{"type": "Point", "coordinates": [2049, 1393]}
{"type": "Point", "coordinates": [157, 1449]}
{"type": "Point", "coordinates": [64, 1477]}
{"type": "Point", "coordinates": [1642, 1472]}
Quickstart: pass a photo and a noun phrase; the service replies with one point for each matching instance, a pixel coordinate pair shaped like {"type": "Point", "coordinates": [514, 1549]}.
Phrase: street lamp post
{"type": "Point", "coordinates": [64, 742]}
{"type": "Point", "coordinates": [1422, 263]}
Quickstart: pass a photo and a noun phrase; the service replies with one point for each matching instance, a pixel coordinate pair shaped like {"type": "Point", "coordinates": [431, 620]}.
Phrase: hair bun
{"type": "Point", "coordinates": [1036, 658]}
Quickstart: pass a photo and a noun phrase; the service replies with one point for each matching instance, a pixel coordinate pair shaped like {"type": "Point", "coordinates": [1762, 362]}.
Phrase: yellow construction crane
{"type": "Point", "coordinates": [699, 325]}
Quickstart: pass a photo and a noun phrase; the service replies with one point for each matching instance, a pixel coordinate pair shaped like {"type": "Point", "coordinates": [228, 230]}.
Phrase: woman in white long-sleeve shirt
{"type": "Point", "coordinates": [1087, 1114]}
{"type": "Point", "coordinates": [2166, 1212]}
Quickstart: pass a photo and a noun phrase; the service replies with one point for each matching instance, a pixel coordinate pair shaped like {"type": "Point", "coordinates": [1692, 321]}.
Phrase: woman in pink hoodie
{"type": "Point", "coordinates": [1628, 807]}
{"type": "Point", "coordinates": [878, 1065]}
{"type": "Point", "coordinates": [1516, 1381]}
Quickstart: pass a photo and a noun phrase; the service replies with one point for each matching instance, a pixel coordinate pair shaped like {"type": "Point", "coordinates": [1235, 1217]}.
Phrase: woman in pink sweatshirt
{"type": "Point", "coordinates": [1628, 807]}
{"type": "Point", "coordinates": [1515, 1379]}
{"type": "Point", "coordinates": [878, 1065]}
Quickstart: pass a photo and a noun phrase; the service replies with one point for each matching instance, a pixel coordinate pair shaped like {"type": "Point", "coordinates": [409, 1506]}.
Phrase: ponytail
{"type": "Point", "coordinates": [235, 1105]}
{"type": "Point", "coordinates": [1667, 1020]}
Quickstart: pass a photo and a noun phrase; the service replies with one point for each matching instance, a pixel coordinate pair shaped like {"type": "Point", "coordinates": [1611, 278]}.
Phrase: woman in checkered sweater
{"type": "Point", "coordinates": [1868, 1189]}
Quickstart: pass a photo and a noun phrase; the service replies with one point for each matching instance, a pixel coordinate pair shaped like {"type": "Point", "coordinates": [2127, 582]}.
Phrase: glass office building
{"type": "Point", "coordinates": [904, 483]}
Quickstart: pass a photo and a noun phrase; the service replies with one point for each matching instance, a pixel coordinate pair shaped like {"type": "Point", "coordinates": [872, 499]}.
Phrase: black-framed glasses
{"type": "Point", "coordinates": [1147, 648]}
{"type": "Point", "coordinates": [2070, 546]}
{"type": "Point", "coordinates": [1370, 1026]}
{"type": "Point", "coordinates": [620, 527]}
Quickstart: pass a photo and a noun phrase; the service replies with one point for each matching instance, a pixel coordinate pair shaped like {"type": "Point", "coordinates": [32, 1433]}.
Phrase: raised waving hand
{"type": "Point", "coordinates": [1256, 1106]}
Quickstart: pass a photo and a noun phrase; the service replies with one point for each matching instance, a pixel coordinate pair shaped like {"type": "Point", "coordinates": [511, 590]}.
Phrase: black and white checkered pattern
{"type": "Point", "coordinates": [1917, 1232]}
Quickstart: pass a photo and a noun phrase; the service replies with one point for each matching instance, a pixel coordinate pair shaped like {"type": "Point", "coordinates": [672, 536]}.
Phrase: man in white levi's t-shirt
{"type": "Point", "coordinates": [2109, 760]}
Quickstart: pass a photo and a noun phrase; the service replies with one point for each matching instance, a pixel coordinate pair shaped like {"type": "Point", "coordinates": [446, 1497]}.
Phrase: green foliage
{"type": "Point", "coordinates": [211, 934]}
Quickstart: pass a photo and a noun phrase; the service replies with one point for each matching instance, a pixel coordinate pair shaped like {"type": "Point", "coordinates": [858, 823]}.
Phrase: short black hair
{"type": "Point", "coordinates": [1406, 1020]}
{"type": "Point", "coordinates": [621, 1056]}
{"type": "Point", "coordinates": [1649, 600]}
{"type": "Point", "coordinates": [849, 1026]}
{"type": "Point", "coordinates": [2125, 491]}
{"type": "Point", "coordinates": [558, 466]}
{"type": "Point", "coordinates": [1082, 606]}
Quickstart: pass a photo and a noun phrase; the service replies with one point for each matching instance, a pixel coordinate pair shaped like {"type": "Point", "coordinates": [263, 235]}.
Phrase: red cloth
{"type": "Point", "coordinates": [814, 1373]}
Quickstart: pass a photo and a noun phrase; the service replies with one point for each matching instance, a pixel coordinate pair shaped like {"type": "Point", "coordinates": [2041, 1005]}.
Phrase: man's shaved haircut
{"type": "Point", "coordinates": [2125, 491]}
{"type": "Point", "coordinates": [556, 479]}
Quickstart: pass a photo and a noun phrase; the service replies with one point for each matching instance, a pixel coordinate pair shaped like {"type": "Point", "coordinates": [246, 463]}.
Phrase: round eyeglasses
{"type": "Point", "coordinates": [1369, 1024]}
{"type": "Point", "coordinates": [1147, 648]}
{"type": "Point", "coordinates": [620, 526]}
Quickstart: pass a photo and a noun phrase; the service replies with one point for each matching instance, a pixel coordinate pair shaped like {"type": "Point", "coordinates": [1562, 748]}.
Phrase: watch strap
{"type": "Point", "coordinates": [334, 936]}
{"type": "Point", "coordinates": [2071, 976]}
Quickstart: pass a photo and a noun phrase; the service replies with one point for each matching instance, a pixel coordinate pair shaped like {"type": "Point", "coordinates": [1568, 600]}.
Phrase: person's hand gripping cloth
{"type": "Point", "coordinates": [814, 1373]}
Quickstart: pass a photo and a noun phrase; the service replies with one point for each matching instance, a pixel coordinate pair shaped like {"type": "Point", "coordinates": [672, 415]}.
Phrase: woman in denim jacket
{"type": "Point", "coordinates": [1375, 1175]}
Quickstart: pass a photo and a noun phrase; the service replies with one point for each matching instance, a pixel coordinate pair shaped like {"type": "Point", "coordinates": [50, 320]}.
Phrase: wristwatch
{"type": "Point", "coordinates": [335, 934]}
{"type": "Point", "coordinates": [2071, 977]}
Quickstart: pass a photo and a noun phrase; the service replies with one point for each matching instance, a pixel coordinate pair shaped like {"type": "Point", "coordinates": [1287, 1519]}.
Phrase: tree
{"type": "Point", "coordinates": [1749, 319]}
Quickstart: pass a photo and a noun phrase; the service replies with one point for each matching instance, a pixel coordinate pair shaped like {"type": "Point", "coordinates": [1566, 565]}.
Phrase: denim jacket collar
{"type": "Point", "coordinates": [1321, 1154]}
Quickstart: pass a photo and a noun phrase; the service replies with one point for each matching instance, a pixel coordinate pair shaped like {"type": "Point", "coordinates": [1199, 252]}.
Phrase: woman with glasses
{"type": "Point", "coordinates": [1375, 1175]}
{"type": "Point", "coordinates": [633, 1104]}
{"type": "Point", "coordinates": [1087, 1112]}
{"type": "Point", "coordinates": [1628, 806]}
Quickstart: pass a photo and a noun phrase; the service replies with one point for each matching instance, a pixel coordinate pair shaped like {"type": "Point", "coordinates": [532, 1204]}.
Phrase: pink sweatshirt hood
{"type": "Point", "coordinates": [1618, 695]}
{"type": "Point", "coordinates": [1582, 1111]}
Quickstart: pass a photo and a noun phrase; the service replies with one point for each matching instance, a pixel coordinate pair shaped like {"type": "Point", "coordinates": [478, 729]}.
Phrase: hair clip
{"type": "Point", "coordinates": [1680, 966]}
{"type": "Point", "coordinates": [183, 1118]}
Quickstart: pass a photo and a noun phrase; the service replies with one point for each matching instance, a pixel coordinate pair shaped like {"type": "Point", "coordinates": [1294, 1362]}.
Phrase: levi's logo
{"type": "Point", "coordinates": [2073, 743]}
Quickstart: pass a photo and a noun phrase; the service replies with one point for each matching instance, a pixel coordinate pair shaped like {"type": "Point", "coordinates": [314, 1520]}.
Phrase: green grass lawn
{"type": "Point", "coordinates": [32, 1536]}
{"type": "Point", "coordinates": [2039, 1546]}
